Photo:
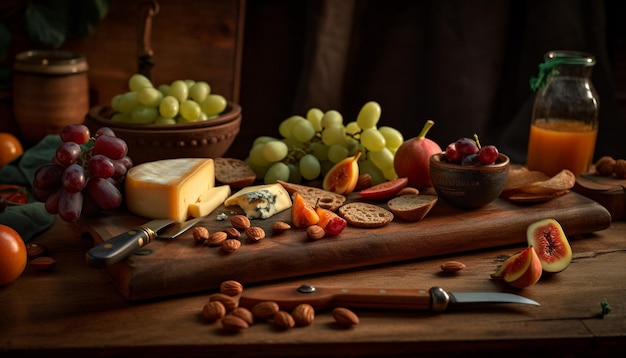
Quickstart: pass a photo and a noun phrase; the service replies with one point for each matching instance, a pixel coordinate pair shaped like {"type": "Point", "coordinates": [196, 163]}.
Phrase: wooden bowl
{"type": "Point", "coordinates": [468, 187]}
{"type": "Point", "coordinates": [150, 142]}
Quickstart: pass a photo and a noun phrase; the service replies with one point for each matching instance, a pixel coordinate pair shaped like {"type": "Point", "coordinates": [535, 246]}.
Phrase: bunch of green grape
{"type": "Point", "coordinates": [182, 101]}
{"type": "Point", "coordinates": [311, 145]}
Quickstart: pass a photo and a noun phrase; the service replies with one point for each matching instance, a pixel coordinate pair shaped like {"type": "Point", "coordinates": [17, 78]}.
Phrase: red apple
{"type": "Point", "coordinates": [412, 159]}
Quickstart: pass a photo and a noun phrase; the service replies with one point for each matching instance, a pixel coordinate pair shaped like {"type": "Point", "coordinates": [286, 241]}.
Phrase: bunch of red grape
{"type": "Point", "coordinates": [468, 151]}
{"type": "Point", "coordinates": [85, 175]}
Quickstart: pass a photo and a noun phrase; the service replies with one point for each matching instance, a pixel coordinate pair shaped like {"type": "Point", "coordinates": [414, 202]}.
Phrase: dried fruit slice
{"type": "Point", "coordinates": [332, 223]}
{"type": "Point", "coordinates": [550, 244]}
{"type": "Point", "coordinates": [385, 190]}
{"type": "Point", "coordinates": [303, 214]}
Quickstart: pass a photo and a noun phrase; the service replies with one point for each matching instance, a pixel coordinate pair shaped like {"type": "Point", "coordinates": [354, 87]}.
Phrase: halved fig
{"type": "Point", "coordinates": [521, 270]}
{"type": "Point", "coordinates": [550, 244]}
{"type": "Point", "coordinates": [343, 176]}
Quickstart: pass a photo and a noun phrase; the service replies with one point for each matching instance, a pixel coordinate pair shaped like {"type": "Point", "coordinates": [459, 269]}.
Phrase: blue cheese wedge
{"type": "Point", "coordinates": [261, 201]}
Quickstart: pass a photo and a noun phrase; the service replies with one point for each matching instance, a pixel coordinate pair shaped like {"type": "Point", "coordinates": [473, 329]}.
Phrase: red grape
{"type": "Point", "coordinates": [488, 154]}
{"type": "Point", "coordinates": [101, 166]}
{"type": "Point", "coordinates": [452, 155]}
{"type": "Point", "coordinates": [77, 133]}
{"type": "Point", "coordinates": [48, 176]}
{"type": "Point", "coordinates": [70, 205]}
{"type": "Point", "coordinates": [52, 201]}
{"type": "Point", "coordinates": [105, 131]}
{"type": "Point", "coordinates": [112, 147]}
{"type": "Point", "coordinates": [471, 159]}
{"type": "Point", "coordinates": [466, 146]}
{"type": "Point", "coordinates": [74, 178]}
{"type": "Point", "coordinates": [68, 153]}
{"type": "Point", "coordinates": [104, 193]}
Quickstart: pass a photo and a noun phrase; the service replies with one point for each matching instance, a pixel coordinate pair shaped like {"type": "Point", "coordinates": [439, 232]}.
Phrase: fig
{"type": "Point", "coordinates": [303, 214]}
{"type": "Point", "coordinates": [550, 244]}
{"type": "Point", "coordinates": [412, 159]}
{"type": "Point", "coordinates": [521, 270]}
{"type": "Point", "coordinates": [332, 223]}
{"type": "Point", "coordinates": [343, 176]}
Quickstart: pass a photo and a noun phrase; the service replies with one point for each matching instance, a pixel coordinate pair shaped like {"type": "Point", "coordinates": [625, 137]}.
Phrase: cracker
{"type": "Point", "coordinates": [315, 196]}
{"type": "Point", "coordinates": [365, 215]}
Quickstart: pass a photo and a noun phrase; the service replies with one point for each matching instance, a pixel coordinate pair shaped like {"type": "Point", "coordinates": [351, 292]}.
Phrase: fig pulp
{"type": "Point", "coordinates": [343, 176]}
{"type": "Point", "coordinates": [521, 270]}
{"type": "Point", "coordinates": [303, 214]}
{"type": "Point", "coordinates": [550, 244]}
{"type": "Point", "coordinates": [332, 223]}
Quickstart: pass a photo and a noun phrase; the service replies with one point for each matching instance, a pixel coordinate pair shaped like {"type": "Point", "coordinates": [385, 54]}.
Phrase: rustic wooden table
{"type": "Point", "coordinates": [76, 311]}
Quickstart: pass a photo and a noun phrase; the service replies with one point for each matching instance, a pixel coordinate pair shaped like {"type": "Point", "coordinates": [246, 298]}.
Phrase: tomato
{"type": "Point", "coordinates": [10, 148]}
{"type": "Point", "coordinates": [12, 255]}
{"type": "Point", "coordinates": [385, 190]}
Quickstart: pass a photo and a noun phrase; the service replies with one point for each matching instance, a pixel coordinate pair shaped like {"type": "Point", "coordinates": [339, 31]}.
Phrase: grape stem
{"type": "Point", "coordinates": [427, 126]}
{"type": "Point", "coordinates": [476, 140]}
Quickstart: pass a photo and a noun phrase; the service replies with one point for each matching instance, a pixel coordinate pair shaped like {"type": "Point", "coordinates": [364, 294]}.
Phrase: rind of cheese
{"type": "Point", "coordinates": [164, 189]}
{"type": "Point", "coordinates": [209, 201]}
{"type": "Point", "coordinates": [261, 201]}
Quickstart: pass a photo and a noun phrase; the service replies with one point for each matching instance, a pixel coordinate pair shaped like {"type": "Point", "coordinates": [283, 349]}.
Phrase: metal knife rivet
{"type": "Point", "coordinates": [306, 289]}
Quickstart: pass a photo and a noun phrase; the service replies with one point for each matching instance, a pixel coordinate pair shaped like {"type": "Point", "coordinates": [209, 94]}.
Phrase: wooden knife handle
{"type": "Point", "coordinates": [288, 297]}
{"type": "Point", "coordinates": [119, 247]}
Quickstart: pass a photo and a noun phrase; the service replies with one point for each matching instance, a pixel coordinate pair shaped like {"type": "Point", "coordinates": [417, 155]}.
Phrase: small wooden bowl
{"type": "Point", "coordinates": [468, 187]}
{"type": "Point", "coordinates": [150, 142]}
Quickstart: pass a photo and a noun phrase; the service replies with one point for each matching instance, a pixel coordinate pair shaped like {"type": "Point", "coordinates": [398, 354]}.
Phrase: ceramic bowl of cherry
{"type": "Point", "coordinates": [468, 186]}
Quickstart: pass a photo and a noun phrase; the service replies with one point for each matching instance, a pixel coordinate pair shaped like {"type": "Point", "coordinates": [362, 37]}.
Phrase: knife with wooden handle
{"type": "Point", "coordinates": [435, 299]}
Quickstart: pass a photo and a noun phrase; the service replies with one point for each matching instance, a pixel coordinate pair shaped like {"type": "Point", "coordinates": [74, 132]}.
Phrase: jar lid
{"type": "Point", "coordinates": [51, 62]}
{"type": "Point", "coordinates": [559, 58]}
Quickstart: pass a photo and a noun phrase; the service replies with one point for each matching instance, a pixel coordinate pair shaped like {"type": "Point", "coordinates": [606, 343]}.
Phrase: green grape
{"type": "Point", "coordinates": [213, 104]}
{"type": "Point", "coordinates": [319, 150]}
{"type": "Point", "coordinates": [368, 115]}
{"type": "Point", "coordinates": [138, 81]}
{"type": "Point", "coordinates": [303, 131]}
{"type": "Point", "coordinates": [190, 110]}
{"type": "Point", "coordinates": [256, 156]}
{"type": "Point", "coordinates": [326, 166]}
{"type": "Point", "coordinates": [164, 89]}
{"type": "Point", "coordinates": [352, 128]}
{"type": "Point", "coordinates": [115, 102]}
{"type": "Point", "coordinates": [263, 140]}
{"type": "Point", "coordinates": [163, 120]}
{"type": "Point", "coordinates": [390, 173]}
{"type": "Point", "coordinates": [121, 117]}
{"type": "Point", "coordinates": [285, 128]}
{"type": "Point", "coordinates": [332, 117]}
{"type": "Point", "coordinates": [169, 107]}
{"type": "Point", "coordinates": [314, 115]}
{"type": "Point", "coordinates": [128, 102]}
{"type": "Point", "coordinates": [258, 170]}
{"type": "Point", "coordinates": [278, 171]}
{"type": "Point", "coordinates": [367, 167]}
{"type": "Point", "coordinates": [189, 83]}
{"type": "Point", "coordinates": [199, 91]}
{"type": "Point", "coordinates": [275, 151]}
{"type": "Point", "coordinates": [333, 134]}
{"type": "Point", "coordinates": [383, 159]}
{"type": "Point", "coordinates": [309, 166]}
{"type": "Point", "coordinates": [292, 143]}
{"type": "Point", "coordinates": [294, 174]}
{"type": "Point", "coordinates": [393, 137]}
{"type": "Point", "coordinates": [372, 139]}
{"type": "Point", "coordinates": [179, 90]}
{"type": "Point", "coordinates": [337, 152]}
{"type": "Point", "coordinates": [144, 115]}
{"type": "Point", "coordinates": [149, 96]}
{"type": "Point", "coordinates": [353, 146]}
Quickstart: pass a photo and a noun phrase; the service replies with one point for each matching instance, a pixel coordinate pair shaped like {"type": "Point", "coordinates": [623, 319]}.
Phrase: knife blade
{"type": "Point", "coordinates": [121, 246]}
{"type": "Point", "coordinates": [435, 299]}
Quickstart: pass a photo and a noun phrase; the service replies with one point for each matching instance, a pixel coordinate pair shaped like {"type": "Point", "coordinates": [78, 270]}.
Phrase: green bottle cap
{"type": "Point", "coordinates": [553, 59]}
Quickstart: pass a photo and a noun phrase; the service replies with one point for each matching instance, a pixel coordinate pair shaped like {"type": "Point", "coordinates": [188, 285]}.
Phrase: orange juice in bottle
{"type": "Point", "coordinates": [561, 144]}
{"type": "Point", "coordinates": [564, 122]}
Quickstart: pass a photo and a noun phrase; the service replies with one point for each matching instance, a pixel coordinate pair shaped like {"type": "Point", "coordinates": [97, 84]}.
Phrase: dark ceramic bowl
{"type": "Point", "coordinates": [468, 187]}
{"type": "Point", "coordinates": [150, 142]}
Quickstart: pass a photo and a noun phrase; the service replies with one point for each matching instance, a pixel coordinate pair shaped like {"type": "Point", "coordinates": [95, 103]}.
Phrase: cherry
{"type": "Point", "coordinates": [466, 146]}
{"type": "Point", "coordinates": [488, 154]}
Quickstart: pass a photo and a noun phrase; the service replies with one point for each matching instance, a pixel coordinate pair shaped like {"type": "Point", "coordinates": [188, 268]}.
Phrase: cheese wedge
{"type": "Point", "coordinates": [164, 189]}
{"type": "Point", "coordinates": [261, 201]}
{"type": "Point", "coordinates": [209, 201]}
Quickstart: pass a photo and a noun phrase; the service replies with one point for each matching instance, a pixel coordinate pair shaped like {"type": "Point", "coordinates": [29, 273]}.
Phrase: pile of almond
{"type": "Point", "coordinates": [607, 166]}
{"type": "Point", "coordinates": [224, 307]}
{"type": "Point", "coordinates": [229, 239]}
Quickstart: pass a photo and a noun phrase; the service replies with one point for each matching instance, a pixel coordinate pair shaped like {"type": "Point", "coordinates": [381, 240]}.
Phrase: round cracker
{"type": "Point", "coordinates": [365, 215]}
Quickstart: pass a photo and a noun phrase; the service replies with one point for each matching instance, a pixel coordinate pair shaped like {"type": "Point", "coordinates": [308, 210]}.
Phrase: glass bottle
{"type": "Point", "coordinates": [564, 123]}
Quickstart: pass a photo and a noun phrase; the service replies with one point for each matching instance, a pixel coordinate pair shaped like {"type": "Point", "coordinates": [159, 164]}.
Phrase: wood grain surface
{"type": "Point", "coordinates": [171, 267]}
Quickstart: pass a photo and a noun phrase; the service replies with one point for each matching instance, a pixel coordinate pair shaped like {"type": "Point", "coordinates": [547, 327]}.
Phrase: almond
{"type": "Point", "coordinates": [200, 233]}
{"type": "Point", "coordinates": [231, 245]}
{"type": "Point", "coordinates": [315, 232]}
{"type": "Point", "coordinates": [216, 238]}
{"type": "Point", "coordinates": [232, 233]}
{"type": "Point", "coordinates": [303, 314]}
{"type": "Point", "coordinates": [408, 190]}
{"type": "Point", "coordinates": [34, 249]}
{"type": "Point", "coordinates": [283, 320]}
{"type": "Point", "coordinates": [265, 310]}
{"type": "Point", "coordinates": [233, 323]}
{"type": "Point", "coordinates": [255, 233]}
{"type": "Point", "coordinates": [280, 227]}
{"type": "Point", "coordinates": [43, 263]}
{"type": "Point", "coordinates": [244, 314]}
{"type": "Point", "coordinates": [240, 222]}
{"type": "Point", "coordinates": [364, 181]}
{"type": "Point", "coordinates": [213, 310]}
{"type": "Point", "coordinates": [228, 302]}
{"type": "Point", "coordinates": [452, 266]}
{"type": "Point", "coordinates": [345, 317]}
{"type": "Point", "coordinates": [231, 288]}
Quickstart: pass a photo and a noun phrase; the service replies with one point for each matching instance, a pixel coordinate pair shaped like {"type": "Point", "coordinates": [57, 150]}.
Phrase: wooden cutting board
{"type": "Point", "coordinates": [177, 266]}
